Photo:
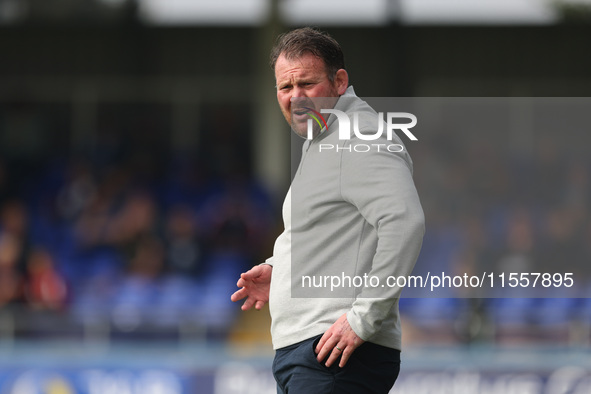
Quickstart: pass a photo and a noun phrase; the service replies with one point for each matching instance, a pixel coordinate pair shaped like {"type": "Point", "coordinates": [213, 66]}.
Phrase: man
{"type": "Point", "coordinates": [355, 213]}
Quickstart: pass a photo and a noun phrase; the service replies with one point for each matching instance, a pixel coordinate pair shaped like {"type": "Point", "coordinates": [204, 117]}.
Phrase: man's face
{"type": "Point", "coordinates": [301, 79]}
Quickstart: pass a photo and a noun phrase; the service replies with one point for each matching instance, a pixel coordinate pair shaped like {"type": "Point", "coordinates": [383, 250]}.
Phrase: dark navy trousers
{"type": "Point", "coordinates": [371, 369]}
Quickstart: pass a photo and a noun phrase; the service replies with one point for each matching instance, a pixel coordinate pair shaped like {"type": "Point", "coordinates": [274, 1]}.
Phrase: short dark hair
{"type": "Point", "coordinates": [307, 40]}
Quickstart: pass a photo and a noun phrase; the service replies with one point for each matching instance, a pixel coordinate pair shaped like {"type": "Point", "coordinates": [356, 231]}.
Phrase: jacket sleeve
{"type": "Point", "coordinates": [380, 185]}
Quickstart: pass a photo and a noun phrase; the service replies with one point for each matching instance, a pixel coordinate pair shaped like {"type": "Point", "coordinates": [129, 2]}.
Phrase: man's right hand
{"type": "Point", "coordinates": [255, 284]}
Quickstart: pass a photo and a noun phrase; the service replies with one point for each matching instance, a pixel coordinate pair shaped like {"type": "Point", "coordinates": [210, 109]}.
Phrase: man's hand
{"type": "Point", "coordinates": [339, 336]}
{"type": "Point", "coordinates": [255, 284]}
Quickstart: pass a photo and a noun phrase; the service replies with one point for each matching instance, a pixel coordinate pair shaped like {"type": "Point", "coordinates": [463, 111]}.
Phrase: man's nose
{"type": "Point", "coordinates": [298, 92]}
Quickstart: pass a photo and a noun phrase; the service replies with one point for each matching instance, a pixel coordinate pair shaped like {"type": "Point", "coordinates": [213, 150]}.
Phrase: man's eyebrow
{"type": "Point", "coordinates": [298, 80]}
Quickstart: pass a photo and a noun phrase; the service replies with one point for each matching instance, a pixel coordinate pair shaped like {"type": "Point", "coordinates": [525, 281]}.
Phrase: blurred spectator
{"type": "Point", "coordinates": [562, 243]}
{"type": "Point", "coordinates": [237, 217]}
{"type": "Point", "coordinates": [14, 219]}
{"type": "Point", "coordinates": [147, 262]}
{"type": "Point", "coordinates": [518, 254]}
{"type": "Point", "coordinates": [93, 221]}
{"type": "Point", "coordinates": [184, 246]}
{"type": "Point", "coordinates": [78, 191]}
{"type": "Point", "coordinates": [45, 288]}
{"type": "Point", "coordinates": [117, 221]}
{"type": "Point", "coordinates": [138, 291]}
{"type": "Point", "coordinates": [10, 277]}
{"type": "Point", "coordinates": [14, 247]}
{"type": "Point", "coordinates": [136, 218]}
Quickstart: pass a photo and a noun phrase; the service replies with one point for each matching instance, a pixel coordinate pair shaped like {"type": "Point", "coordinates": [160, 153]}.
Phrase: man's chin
{"type": "Point", "coordinates": [301, 129]}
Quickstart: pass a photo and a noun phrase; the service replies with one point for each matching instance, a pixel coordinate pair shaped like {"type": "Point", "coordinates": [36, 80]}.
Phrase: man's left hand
{"type": "Point", "coordinates": [338, 340]}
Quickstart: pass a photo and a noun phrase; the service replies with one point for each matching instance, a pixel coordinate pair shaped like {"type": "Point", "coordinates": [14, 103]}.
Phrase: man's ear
{"type": "Point", "coordinates": [341, 81]}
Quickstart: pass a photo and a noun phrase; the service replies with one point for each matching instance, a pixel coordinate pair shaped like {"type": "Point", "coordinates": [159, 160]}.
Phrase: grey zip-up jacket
{"type": "Point", "coordinates": [352, 213]}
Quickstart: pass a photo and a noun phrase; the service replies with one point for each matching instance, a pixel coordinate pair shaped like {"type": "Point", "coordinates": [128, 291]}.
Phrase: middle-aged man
{"type": "Point", "coordinates": [353, 212]}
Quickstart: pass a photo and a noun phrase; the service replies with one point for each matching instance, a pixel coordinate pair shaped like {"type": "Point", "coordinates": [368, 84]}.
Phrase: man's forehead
{"type": "Point", "coordinates": [301, 65]}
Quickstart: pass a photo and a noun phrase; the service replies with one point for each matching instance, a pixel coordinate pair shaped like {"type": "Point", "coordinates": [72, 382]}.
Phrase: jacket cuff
{"type": "Point", "coordinates": [361, 328]}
